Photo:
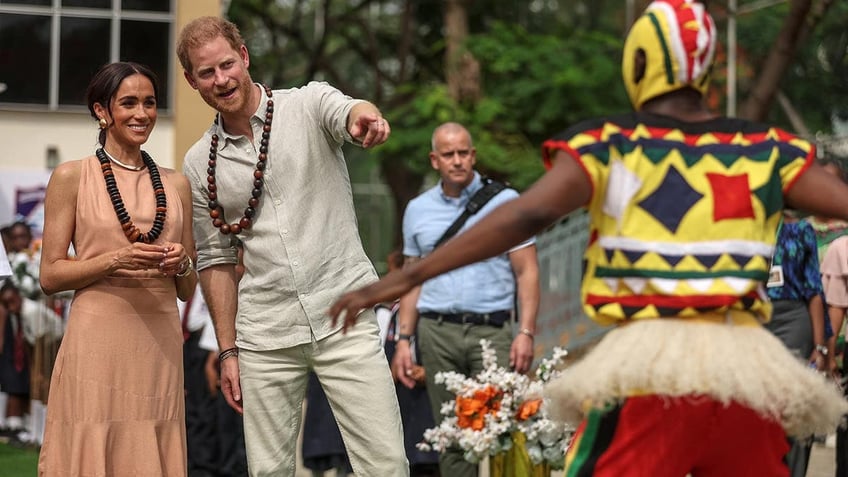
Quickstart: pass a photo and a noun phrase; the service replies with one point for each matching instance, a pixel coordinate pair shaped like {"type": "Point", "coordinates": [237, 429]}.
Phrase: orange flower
{"type": "Point", "coordinates": [471, 412]}
{"type": "Point", "coordinates": [528, 409]}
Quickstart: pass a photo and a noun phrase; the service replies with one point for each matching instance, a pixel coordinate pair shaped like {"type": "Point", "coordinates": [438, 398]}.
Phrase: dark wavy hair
{"type": "Point", "coordinates": [105, 83]}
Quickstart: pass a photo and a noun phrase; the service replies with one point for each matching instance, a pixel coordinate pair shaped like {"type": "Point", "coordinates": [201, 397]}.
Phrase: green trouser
{"type": "Point", "coordinates": [454, 347]}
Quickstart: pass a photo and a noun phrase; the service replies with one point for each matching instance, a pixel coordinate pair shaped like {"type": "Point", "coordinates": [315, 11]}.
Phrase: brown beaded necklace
{"type": "Point", "coordinates": [216, 211]}
{"type": "Point", "coordinates": [131, 231]}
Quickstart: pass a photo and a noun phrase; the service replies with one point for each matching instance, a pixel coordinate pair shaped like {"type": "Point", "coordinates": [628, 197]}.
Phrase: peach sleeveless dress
{"type": "Point", "coordinates": [116, 404]}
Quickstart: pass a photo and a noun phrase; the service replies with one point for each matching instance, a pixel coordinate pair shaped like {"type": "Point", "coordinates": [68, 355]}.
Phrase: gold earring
{"type": "Point", "coordinates": [102, 123]}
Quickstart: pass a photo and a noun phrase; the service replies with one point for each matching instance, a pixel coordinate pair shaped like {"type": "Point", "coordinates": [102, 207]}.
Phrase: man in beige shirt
{"type": "Point", "coordinates": [270, 173]}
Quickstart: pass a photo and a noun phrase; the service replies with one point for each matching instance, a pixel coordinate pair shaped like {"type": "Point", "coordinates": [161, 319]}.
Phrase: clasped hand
{"type": "Point", "coordinates": [168, 258]}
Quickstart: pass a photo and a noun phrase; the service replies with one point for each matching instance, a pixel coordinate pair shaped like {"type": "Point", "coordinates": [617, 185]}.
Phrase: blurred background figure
{"type": "Point", "coordinates": [14, 361]}
{"type": "Point", "coordinates": [798, 317]}
{"type": "Point", "coordinates": [214, 431]}
{"type": "Point", "coordinates": [415, 411]}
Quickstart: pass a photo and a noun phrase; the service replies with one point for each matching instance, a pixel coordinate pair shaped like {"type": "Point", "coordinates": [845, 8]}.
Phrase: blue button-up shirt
{"type": "Point", "coordinates": [481, 287]}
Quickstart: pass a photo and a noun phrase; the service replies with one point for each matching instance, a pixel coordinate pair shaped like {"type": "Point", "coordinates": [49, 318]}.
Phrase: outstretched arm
{"type": "Point", "coordinates": [820, 193]}
{"type": "Point", "coordinates": [366, 124]}
{"type": "Point", "coordinates": [563, 189]}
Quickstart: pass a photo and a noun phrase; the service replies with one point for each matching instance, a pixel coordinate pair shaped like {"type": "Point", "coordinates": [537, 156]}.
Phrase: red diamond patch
{"type": "Point", "coordinates": [731, 197]}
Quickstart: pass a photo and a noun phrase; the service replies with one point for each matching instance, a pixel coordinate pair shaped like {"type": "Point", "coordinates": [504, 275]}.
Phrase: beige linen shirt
{"type": "Point", "coordinates": [303, 249]}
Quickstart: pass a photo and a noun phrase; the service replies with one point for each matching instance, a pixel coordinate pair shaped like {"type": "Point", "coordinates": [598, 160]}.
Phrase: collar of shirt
{"type": "Point", "coordinates": [464, 196]}
{"type": "Point", "coordinates": [257, 119]}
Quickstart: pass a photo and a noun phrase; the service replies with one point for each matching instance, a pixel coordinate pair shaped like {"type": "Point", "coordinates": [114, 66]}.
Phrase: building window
{"type": "Point", "coordinates": [49, 49]}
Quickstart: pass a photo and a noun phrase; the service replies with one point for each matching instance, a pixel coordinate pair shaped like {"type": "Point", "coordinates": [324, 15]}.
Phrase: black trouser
{"type": "Point", "coordinates": [842, 437]}
{"type": "Point", "coordinates": [214, 431]}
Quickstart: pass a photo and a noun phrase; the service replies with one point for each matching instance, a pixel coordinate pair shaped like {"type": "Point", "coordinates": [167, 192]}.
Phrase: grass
{"type": "Point", "coordinates": [18, 462]}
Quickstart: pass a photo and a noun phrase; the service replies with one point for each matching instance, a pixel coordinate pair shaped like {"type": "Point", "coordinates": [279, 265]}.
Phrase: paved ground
{"type": "Point", "coordinates": [822, 460]}
{"type": "Point", "coordinates": [821, 463]}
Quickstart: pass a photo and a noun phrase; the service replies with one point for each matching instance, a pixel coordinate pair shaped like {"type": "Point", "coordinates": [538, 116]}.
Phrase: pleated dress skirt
{"type": "Point", "coordinates": [116, 405]}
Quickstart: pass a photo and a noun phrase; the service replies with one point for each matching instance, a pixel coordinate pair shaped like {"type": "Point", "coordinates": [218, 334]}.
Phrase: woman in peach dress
{"type": "Point", "coordinates": [116, 402]}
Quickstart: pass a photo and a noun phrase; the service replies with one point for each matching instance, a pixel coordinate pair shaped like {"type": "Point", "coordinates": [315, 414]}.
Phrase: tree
{"type": "Point", "coordinates": [797, 25]}
{"type": "Point", "coordinates": [400, 55]}
{"type": "Point", "coordinates": [513, 71]}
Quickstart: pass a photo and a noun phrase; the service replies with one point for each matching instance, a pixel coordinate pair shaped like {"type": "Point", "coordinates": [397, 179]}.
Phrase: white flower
{"type": "Point", "coordinates": [491, 401]}
{"type": "Point", "coordinates": [535, 453]}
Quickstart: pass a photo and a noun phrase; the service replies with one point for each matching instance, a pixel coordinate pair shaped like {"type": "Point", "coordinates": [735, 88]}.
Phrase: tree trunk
{"type": "Point", "coordinates": [796, 27]}
{"type": "Point", "coordinates": [404, 185]}
{"type": "Point", "coordinates": [462, 70]}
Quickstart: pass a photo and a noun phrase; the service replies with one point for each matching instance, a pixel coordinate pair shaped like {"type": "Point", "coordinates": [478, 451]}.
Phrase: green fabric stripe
{"type": "Point", "coordinates": [600, 272]}
{"type": "Point", "coordinates": [669, 76]}
{"type": "Point", "coordinates": [587, 442]}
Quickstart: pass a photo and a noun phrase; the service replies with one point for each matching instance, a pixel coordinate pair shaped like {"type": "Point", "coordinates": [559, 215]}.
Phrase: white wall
{"type": "Point", "coordinates": [25, 137]}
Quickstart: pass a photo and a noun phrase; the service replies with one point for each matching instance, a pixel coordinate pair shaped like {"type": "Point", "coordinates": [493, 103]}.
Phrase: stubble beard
{"type": "Point", "coordinates": [228, 106]}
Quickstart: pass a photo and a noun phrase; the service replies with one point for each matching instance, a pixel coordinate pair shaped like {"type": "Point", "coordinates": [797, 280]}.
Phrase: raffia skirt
{"type": "Point", "coordinates": [730, 359]}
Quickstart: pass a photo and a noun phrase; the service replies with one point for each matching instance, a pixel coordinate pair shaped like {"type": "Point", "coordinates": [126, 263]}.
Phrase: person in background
{"type": "Point", "coordinates": [414, 404]}
{"type": "Point", "coordinates": [460, 308]}
{"type": "Point", "coordinates": [214, 436]}
{"type": "Point", "coordinates": [24, 260]}
{"type": "Point", "coordinates": [828, 229]}
{"type": "Point", "coordinates": [117, 401]}
{"type": "Point", "coordinates": [798, 320]}
{"type": "Point", "coordinates": [27, 320]}
{"type": "Point", "coordinates": [15, 360]}
{"type": "Point", "coordinates": [833, 247]}
{"type": "Point", "coordinates": [20, 237]}
{"type": "Point", "coordinates": [684, 207]}
{"type": "Point", "coordinates": [271, 172]}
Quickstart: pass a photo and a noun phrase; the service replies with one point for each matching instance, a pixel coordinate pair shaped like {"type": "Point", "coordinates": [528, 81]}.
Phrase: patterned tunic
{"type": "Point", "coordinates": [683, 215]}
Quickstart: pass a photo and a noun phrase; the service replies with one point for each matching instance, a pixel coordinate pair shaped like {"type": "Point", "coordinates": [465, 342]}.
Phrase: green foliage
{"type": "Point", "coordinates": [534, 86]}
{"type": "Point", "coordinates": [546, 82]}
{"type": "Point", "coordinates": [815, 84]}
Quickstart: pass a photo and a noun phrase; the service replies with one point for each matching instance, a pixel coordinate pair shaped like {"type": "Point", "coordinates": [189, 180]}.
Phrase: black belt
{"type": "Point", "coordinates": [496, 318]}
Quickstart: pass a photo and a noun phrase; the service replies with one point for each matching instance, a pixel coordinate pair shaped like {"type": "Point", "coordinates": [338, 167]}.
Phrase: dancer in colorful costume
{"type": "Point", "coordinates": [684, 208]}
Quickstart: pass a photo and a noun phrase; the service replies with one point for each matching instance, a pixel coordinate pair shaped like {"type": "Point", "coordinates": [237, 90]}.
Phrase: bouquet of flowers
{"type": "Point", "coordinates": [497, 408]}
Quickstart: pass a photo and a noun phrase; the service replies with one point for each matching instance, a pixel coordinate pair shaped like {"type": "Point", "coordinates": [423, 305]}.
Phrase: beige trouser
{"type": "Point", "coordinates": [355, 375]}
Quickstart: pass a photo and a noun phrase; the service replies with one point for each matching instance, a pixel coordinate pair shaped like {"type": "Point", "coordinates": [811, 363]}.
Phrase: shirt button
{"type": "Point", "coordinates": [295, 263]}
{"type": "Point", "coordinates": [277, 202]}
{"type": "Point", "coordinates": [285, 231]}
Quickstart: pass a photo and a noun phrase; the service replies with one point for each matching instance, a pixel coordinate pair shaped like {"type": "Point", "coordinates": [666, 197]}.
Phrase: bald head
{"type": "Point", "coordinates": [449, 128]}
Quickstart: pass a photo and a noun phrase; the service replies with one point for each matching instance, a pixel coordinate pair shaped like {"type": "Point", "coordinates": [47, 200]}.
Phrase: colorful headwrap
{"type": "Point", "coordinates": [678, 38]}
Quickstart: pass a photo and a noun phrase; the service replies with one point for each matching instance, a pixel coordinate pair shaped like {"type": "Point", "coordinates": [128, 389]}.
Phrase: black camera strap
{"type": "Point", "coordinates": [483, 195]}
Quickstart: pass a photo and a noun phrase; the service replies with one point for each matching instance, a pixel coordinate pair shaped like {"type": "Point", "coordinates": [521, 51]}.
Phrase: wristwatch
{"type": "Point", "coordinates": [821, 349]}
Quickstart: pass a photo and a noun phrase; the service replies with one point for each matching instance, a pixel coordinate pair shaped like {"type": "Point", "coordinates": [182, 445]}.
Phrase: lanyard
{"type": "Point", "coordinates": [776, 242]}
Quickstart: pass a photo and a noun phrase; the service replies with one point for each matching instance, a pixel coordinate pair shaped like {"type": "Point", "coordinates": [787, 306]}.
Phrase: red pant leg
{"type": "Point", "coordinates": [655, 436]}
{"type": "Point", "coordinates": [744, 444]}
